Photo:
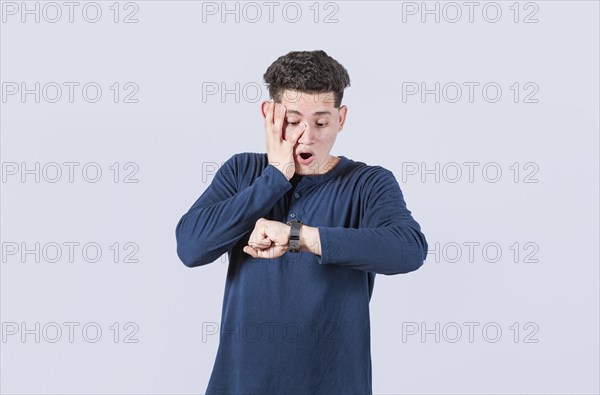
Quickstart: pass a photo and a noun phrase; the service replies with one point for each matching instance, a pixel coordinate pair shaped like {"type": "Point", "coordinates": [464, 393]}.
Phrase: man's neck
{"type": "Point", "coordinates": [330, 164]}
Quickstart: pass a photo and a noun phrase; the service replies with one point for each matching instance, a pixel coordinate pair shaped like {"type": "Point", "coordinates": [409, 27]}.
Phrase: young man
{"type": "Point", "coordinates": [305, 234]}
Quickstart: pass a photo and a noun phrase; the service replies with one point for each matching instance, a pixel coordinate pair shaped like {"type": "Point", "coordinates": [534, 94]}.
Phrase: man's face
{"type": "Point", "coordinates": [323, 123]}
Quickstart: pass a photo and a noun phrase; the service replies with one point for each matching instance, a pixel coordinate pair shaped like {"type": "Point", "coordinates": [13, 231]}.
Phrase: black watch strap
{"type": "Point", "coordinates": [294, 239]}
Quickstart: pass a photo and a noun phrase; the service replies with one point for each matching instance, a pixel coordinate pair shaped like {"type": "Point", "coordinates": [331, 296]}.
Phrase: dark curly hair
{"type": "Point", "coordinates": [307, 71]}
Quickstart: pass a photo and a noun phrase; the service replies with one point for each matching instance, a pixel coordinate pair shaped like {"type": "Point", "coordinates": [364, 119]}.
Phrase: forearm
{"type": "Point", "coordinates": [210, 228]}
{"type": "Point", "coordinates": [400, 248]}
{"type": "Point", "coordinates": [389, 250]}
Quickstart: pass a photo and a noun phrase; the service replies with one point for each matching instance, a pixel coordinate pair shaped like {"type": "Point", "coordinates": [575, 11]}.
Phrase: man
{"type": "Point", "coordinates": [295, 316]}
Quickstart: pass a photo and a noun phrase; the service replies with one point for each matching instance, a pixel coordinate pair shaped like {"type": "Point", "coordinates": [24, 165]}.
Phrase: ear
{"type": "Point", "coordinates": [263, 108]}
{"type": "Point", "coordinates": [342, 120]}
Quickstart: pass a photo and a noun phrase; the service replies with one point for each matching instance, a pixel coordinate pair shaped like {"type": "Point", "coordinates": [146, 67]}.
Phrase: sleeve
{"type": "Point", "coordinates": [389, 242]}
{"type": "Point", "coordinates": [222, 214]}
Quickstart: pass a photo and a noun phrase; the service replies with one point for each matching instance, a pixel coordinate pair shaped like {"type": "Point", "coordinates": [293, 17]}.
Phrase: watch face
{"type": "Point", "coordinates": [293, 246]}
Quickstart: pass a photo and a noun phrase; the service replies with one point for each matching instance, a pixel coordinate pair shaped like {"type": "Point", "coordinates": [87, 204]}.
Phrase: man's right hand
{"type": "Point", "coordinates": [280, 151]}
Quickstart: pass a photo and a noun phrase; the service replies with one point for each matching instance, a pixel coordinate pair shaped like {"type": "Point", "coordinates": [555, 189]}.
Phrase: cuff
{"type": "Point", "coordinates": [275, 177]}
{"type": "Point", "coordinates": [327, 250]}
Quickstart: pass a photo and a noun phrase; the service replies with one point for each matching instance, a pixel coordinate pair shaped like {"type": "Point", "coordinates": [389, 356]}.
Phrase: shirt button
{"type": "Point", "coordinates": [293, 215]}
{"type": "Point", "coordinates": [296, 195]}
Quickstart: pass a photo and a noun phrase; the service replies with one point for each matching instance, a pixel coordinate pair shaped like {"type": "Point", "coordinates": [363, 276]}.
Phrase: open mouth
{"type": "Point", "coordinates": [305, 155]}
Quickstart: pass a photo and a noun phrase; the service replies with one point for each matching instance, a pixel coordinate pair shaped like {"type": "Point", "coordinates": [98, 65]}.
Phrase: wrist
{"type": "Point", "coordinates": [310, 240]}
{"type": "Point", "coordinates": [288, 170]}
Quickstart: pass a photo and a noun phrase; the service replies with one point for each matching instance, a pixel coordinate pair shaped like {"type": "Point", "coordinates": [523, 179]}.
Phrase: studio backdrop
{"type": "Point", "coordinates": [116, 115]}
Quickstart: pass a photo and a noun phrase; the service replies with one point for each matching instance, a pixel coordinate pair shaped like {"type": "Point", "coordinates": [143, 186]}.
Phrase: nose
{"type": "Point", "coordinates": [306, 137]}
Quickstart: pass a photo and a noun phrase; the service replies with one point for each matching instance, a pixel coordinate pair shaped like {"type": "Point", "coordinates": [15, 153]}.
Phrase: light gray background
{"type": "Point", "coordinates": [171, 134]}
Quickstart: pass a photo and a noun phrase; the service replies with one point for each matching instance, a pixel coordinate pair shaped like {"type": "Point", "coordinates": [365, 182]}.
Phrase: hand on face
{"type": "Point", "coordinates": [280, 148]}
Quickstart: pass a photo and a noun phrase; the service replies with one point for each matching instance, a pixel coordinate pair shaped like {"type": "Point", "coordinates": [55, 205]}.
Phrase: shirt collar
{"type": "Point", "coordinates": [318, 178]}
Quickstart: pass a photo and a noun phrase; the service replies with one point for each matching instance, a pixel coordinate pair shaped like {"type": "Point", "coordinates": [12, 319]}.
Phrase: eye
{"type": "Point", "coordinates": [293, 123]}
{"type": "Point", "coordinates": [321, 124]}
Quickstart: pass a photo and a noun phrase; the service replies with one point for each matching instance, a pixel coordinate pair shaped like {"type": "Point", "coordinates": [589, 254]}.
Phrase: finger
{"type": "Point", "coordinates": [250, 251]}
{"type": "Point", "coordinates": [260, 240]}
{"type": "Point", "coordinates": [279, 117]}
{"type": "Point", "coordinates": [266, 242]}
{"type": "Point", "coordinates": [272, 119]}
{"type": "Point", "coordinates": [296, 135]}
{"type": "Point", "coordinates": [254, 245]}
{"type": "Point", "coordinates": [262, 254]}
{"type": "Point", "coordinates": [269, 119]}
{"type": "Point", "coordinates": [262, 244]}
{"type": "Point", "coordinates": [281, 246]}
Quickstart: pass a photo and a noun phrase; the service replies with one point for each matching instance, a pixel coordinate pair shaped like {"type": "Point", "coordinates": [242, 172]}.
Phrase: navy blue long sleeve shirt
{"type": "Point", "coordinates": [299, 323]}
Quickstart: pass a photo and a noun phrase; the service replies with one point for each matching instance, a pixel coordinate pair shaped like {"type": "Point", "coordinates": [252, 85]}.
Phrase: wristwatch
{"type": "Point", "coordinates": [294, 239]}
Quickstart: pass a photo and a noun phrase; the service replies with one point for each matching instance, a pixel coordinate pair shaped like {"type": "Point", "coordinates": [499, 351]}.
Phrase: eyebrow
{"type": "Point", "coordinates": [315, 113]}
